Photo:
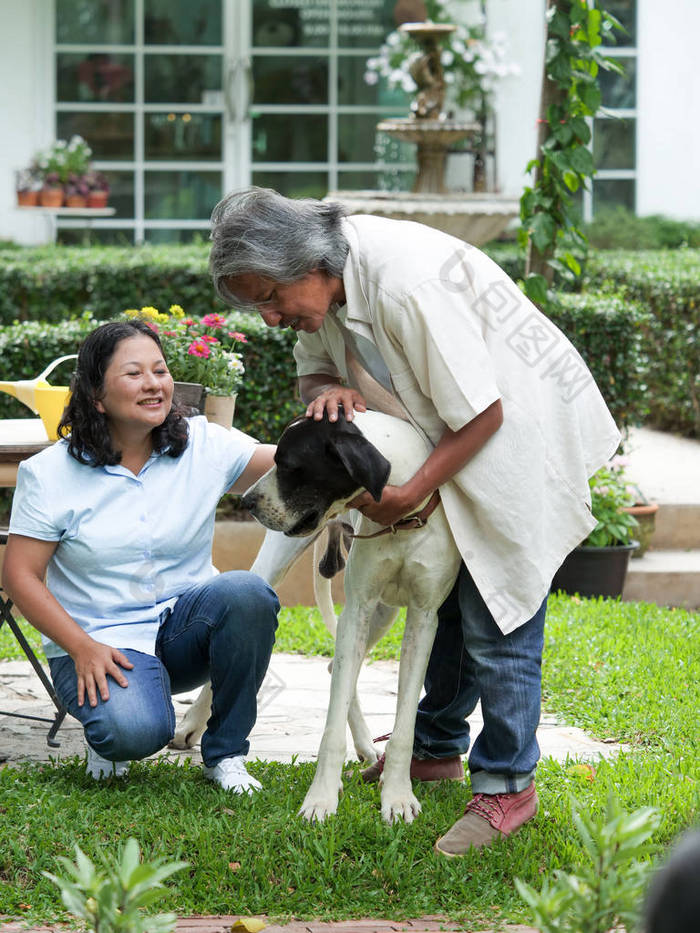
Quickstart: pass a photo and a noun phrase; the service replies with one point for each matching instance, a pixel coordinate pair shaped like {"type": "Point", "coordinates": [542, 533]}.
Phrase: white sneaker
{"type": "Point", "coordinates": [231, 774]}
{"type": "Point", "coordinates": [101, 768]}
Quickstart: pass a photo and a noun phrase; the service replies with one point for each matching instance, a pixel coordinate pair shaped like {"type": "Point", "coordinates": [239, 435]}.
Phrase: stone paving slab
{"type": "Point", "coordinates": [292, 710]}
{"type": "Point", "coordinates": [224, 925]}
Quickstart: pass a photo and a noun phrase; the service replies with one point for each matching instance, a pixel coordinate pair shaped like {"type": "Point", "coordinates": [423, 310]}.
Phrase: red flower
{"type": "Point", "coordinates": [209, 338]}
{"type": "Point", "coordinates": [169, 333]}
{"type": "Point", "coordinates": [213, 320]}
{"type": "Point", "coordinates": [198, 348]}
{"type": "Point", "coordinates": [237, 335]}
{"type": "Point", "coordinates": [154, 327]}
{"type": "Point", "coordinates": [188, 321]}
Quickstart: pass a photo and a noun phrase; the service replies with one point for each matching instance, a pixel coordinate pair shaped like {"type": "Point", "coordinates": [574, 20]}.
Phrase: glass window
{"type": "Point", "coordinates": [109, 135]}
{"type": "Point", "coordinates": [285, 79]}
{"type": "Point", "coordinates": [290, 137]}
{"type": "Point", "coordinates": [614, 144]}
{"type": "Point", "coordinates": [364, 23]}
{"type": "Point", "coordinates": [381, 180]}
{"type": "Point", "coordinates": [359, 141]}
{"type": "Point", "coordinates": [95, 22]}
{"type": "Point", "coordinates": [182, 22]}
{"type": "Point", "coordinates": [614, 191]}
{"type": "Point", "coordinates": [181, 79]}
{"type": "Point", "coordinates": [183, 136]}
{"type": "Point", "coordinates": [619, 91]}
{"type": "Point", "coordinates": [176, 236]}
{"type": "Point", "coordinates": [354, 90]}
{"type": "Point", "coordinates": [95, 77]}
{"type": "Point", "coordinates": [290, 24]}
{"type": "Point", "coordinates": [121, 192]}
{"type": "Point", "coordinates": [92, 235]}
{"type": "Point", "coordinates": [184, 195]}
{"type": "Point", "coordinates": [294, 184]}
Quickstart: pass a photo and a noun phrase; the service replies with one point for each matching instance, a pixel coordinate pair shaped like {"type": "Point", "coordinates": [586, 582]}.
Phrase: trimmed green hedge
{"type": "Point", "coordinates": [606, 331]}
{"type": "Point", "coordinates": [58, 282]}
{"type": "Point", "coordinates": [667, 284]}
{"type": "Point", "coordinates": [266, 402]}
{"type": "Point", "coordinates": [609, 333]}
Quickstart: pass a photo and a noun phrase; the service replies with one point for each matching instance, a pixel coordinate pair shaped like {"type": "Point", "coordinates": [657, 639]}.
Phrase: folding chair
{"type": "Point", "coordinates": [6, 616]}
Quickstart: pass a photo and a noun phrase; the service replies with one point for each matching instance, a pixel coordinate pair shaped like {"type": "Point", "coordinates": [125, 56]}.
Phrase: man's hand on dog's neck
{"type": "Point", "coordinates": [455, 449]}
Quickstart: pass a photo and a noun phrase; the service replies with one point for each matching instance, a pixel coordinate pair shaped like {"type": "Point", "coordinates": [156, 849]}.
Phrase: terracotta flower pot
{"type": "Point", "coordinates": [98, 199]}
{"type": "Point", "coordinates": [76, 200]}
{"type": "Point", "coordinates": [51, 197]}
{"type": "Point", "coordinates": [27, 198]}
{"type": "Point", "coordinates": [646, 516]}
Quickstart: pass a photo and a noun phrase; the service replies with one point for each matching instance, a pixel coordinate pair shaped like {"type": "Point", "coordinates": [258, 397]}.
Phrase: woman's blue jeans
{"type": "Point", "coordinates": [222, 630]}
{"type": "Point", "coordinates": [471, 660]}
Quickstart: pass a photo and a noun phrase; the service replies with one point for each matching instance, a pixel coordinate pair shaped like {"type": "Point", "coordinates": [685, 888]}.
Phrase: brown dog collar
{"type": "Point", "coordinates": [409, 522]}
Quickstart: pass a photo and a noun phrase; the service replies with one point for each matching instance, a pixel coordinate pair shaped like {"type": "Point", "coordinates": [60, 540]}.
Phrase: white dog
{"type": "Point", "coordinates": [320, 467]}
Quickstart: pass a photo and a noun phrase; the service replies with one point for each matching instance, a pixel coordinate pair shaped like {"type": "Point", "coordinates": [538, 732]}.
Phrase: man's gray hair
{"type": "Point", "coordinates": [258, 231]}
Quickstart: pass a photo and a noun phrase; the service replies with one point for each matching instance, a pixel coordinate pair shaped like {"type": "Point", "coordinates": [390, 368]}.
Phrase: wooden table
{"type": "Point", "coordinates": [19, 438]}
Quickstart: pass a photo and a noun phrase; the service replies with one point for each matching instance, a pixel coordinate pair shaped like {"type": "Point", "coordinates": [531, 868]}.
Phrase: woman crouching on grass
{"type": "Point", "coordinates": [118, 518]}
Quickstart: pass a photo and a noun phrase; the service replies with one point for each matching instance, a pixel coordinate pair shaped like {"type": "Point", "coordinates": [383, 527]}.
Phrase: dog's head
{"type": "Point", "coordinates": [319, 467]}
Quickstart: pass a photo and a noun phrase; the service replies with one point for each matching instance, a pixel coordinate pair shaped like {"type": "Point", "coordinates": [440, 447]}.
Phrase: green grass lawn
{"type": "Point", "coordinates": [622, 671]}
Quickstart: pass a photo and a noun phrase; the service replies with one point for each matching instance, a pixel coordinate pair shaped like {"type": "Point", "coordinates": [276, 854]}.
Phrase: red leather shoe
{"type": "Point", "coordinates": [488, 817]}
{"type": "Point", "coordinates": [422, 769]}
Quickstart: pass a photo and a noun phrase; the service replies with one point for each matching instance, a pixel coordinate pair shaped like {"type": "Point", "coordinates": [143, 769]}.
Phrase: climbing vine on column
{"type": "Point", "coordinates": [564, 163]}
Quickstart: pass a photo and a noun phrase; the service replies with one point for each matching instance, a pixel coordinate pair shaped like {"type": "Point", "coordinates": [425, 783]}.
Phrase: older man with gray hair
{"type": "Point", "coordinates": [405, 319]}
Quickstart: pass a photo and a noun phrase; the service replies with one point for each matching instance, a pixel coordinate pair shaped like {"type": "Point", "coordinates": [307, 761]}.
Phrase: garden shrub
{"type": "Point", "coordinates": [666, 285]}
{"type": "Point", "coordinates": [609, 333]}
{"type": "Point", "coordinates": [266, 401]}
{"type": "Point", "coordinates": [57, 282]}
{"type": "Point", "coordinates": [618, 228]}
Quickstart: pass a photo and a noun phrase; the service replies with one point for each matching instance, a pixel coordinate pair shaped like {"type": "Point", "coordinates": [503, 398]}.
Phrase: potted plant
{"type": "Point", "coordinates": [58, 164]}
{"type": "Point", "coordinates": [202, 358]}
{"type": "Point", "coordinates": [76, 191]}
{"type": "Point", "coordinates": [645, 513]}
{"type": "Point", "coordinates": [598, 566]}
{"type": "Point", "coordinates": [98, 189]}
{"type": "Point", "coordinates": [52, 193]}
{"type": "Point", "coordinates": [27, 186]}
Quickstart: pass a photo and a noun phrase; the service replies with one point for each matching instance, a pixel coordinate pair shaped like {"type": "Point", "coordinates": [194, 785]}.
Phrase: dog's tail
{"type": "Point", "coordinates": [327, 566]}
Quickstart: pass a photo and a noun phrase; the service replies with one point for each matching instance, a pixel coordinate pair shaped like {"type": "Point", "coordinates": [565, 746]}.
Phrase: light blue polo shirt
{"type": "Point", "coordinates": [128, 545]}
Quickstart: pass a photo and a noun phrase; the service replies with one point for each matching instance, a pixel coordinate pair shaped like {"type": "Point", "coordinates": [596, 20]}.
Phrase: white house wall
{"type": "Point", "coordinates": [668, 99]}
{"type": "Point", "coordinates": [26, 80]}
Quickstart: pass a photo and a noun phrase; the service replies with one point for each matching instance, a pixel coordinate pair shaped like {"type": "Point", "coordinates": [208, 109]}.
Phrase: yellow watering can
{"type": "Point", "coordinates": [44, 400]}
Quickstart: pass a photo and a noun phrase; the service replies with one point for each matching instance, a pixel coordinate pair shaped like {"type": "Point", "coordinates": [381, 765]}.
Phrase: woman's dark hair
{"type": "Point", "coordinates": [83, 426]}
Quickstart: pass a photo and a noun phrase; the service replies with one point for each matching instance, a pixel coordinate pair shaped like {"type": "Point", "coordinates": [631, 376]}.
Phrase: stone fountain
{"type": "Point", "coordinates": [475, 218]}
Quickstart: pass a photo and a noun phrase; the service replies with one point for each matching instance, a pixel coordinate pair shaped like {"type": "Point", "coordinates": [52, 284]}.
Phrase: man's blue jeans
{"type": "Point", "coordinates": [471, 660]}
{"type": "Point", "coordinates": [222, 630]}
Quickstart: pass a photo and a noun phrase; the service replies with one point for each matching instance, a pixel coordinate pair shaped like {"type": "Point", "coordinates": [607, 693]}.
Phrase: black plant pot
{"type": "Point", "coordinates": [594, 571]}
{"type": "Point", "coordinates": [192, 396]}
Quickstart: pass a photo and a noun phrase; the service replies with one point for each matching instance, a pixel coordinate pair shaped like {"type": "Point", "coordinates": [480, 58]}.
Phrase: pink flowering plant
{"type": "Point", "coordinates": [197, 349]}
{"type": "Point", "coordinates": [611, 493]}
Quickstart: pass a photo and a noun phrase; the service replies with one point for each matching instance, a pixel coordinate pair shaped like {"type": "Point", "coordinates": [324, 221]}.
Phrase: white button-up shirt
{"type": "Point", "coordinates": [456, 335]}
{"type": "Point", "coordinates": [128, 545]}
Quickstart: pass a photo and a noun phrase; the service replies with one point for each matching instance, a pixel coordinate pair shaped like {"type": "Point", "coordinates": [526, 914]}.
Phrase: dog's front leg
{"type": "Point", "coordinates": [350, 647]}
{"type": "Point", "coordinates": [194, 722]}
{"type": "Point", "coordinates": [398, 799]}
{"type": "Point", "coordinates": [276, 555]}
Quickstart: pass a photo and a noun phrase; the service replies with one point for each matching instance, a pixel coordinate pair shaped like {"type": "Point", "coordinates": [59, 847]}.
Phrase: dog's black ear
{"type": "Point", "coordinates": [365, 464]}
{"type": "Point", "coordinates": [333, 561]}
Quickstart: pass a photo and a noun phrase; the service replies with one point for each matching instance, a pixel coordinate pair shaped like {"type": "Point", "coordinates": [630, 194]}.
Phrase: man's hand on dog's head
{"type": "Point", "coordinates": [331, 399]}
